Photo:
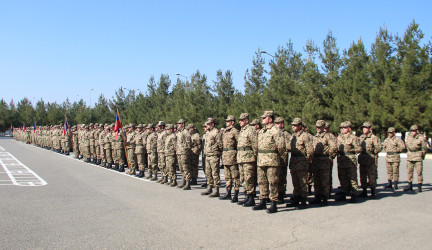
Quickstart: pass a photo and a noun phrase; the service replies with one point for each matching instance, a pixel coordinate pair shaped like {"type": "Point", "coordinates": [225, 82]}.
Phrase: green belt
{"type": "Point", "coordinates": [347, 153]}
{"type": "Point", "coordinates": [139, 145]}
{"type": "Point", "coordinates": [392, 153]}
{"type": "Point", "coordinates": [228, 149]}
{"type": "Point", "coordinates": [413, 151]}
{"type": "Point", "coordinates": [268, 151]}
{"type": "Point", "coordinates": [247, 148]}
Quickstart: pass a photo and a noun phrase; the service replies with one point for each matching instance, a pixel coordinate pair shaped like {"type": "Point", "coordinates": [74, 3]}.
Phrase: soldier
{"type": "Point", "coordinates": [348, 145]}
{"type": "Point", "coordinates": [108, 146]}
{"type": "Point", "coordinates": [98, 130]}
{"type": "Point", "coordinates": [130, 148]}
{"type": "Point", "coordinates": [256, 125]}
{"type": "Point", "coordinates": [196, 147]}
{"type": "Point", "coordinates": [301, 156]}
{"type": "Point", "coordinates": [183, 148]}
{"type": "Point", "coordinates": [333, 138]}
{"type": "Point", "coordinates": [102, 136]}
{"type": "Point", "coordinates": [203, 154]}
{"type": "Point", "coordinates": [86, 143]}
{"type": "Point", "coordinates": [324, 152]}
{"type": "Point", "coordinates": [229, 159]}
{"type": "Point", "coordinates": [161, 135]}
{"type": "Point", "coordinates": [151, 147]}
{"type": "Point", "coordinates": [91, 137]}
{"type": "Point", "coordinates": [139, 149]}
{"type": "Point", "coordinates": [393, 146]}
{"type": "Point", "coordinates": [119, 151]}
{"type": "Point", "coordinates": [310, 179]}
{"type": "Point", "coordinates": [271, 145]}
{"type": "Point", "coordinates": [416, 146]}
{"type": "Point", "coordinates": [75, 141]}
{"type": "Point", "coordinates": [170, 155]}
{"type": "Point", "coordinates": [212, 150]}
{"type": "Point", "coordinates": [371, 146]}
{"type": "Point", "coordinates": [280, 123]}
{"type": "Point", "coordinates": [247, 149]}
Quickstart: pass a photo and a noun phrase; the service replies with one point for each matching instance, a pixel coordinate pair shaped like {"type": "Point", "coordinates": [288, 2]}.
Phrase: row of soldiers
{"type": "Point", "coordinates": [253, 156]}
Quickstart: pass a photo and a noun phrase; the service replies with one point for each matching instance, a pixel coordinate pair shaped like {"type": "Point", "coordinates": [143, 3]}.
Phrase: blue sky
{"type": "Point", "coordinates": [62, 49]}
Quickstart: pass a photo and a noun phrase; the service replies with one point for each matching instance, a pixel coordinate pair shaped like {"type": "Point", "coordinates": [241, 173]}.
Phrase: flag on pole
{"type": "Point", "coordinates": [34, 127]}
{"type": "Point", "coordinates": [23, 127]}
{"type": "Point", "coordinates": [11, 127]}
{"type": "Point", "coordinates": [65, 127]}
{"type": "Point", "coordinates": [117, 125]}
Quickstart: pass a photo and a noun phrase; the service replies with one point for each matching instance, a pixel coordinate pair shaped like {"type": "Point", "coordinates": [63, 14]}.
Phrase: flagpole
{"type": "Point", "coordinates": [124, 142]}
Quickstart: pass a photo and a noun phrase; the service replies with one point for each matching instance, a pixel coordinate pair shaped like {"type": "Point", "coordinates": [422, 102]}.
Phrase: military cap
{"type": "Point", "coordinates": [279, 119]}
{"type": "Point", "coordinates": [297, 121]}
{"type": "Point", "coordinates": [244, 116]}
{"type": "Point", "coordinates": [320, 123]}
{"type": "Point", "coordinates": [150, 125]}
{"type": "Point", "coordinates": [391, 130]}
{"type": "Point", "coordinates": [96, 124]}
{"type": "Point", "coordinates": [327, 124]}
{"type": "Point", "coordinates": [230, 118]}
{"type": "Point", "coordinates": [204, 125]}
{"type": "Point", "coordinates": [267, 113]}
{"type": "Point", "coordinates": [91, 124]}
{"type": "Point", "coordinates": [140, 126]}
{"type": "Point", "coordinates": [181, 121]}
{"type": "Point", "coordinates": [348, 124]}
{"type": "Point", "coordinates": [161, 123]}
{"type": "Point", "coordinates": [367, 125]}
{"type": "Point", "coordinates": [106, 124]}
{"type": "Point", "coordinates": [170, 126]}
{"type": "Point", "coordinates": [210, 120]}
{"type": "Point", "coordinates": [131, 125]}
{"type": "Point", "coordinates": [191, 125]}
{"type": "Point", "coordinates": [255, 122]}
{"type": "Point", "coordinates": [414, 127]}
{"type": "Point", "coordinates": [342, 125]}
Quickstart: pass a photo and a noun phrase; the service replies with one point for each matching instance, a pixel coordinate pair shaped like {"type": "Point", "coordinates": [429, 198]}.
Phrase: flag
{"type": "Point", "coordinates": [23, 127]}
{"type": "Point", "coordinates": [34, 127]}
{"type": "Point", "coordinates": [65, 127]}
{"type": "Point", "coordinates": [11, 127]}
{"type": "Point", "coordinates": [117, 125]}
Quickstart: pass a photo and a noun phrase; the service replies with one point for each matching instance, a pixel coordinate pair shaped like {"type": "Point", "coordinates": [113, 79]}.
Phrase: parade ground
{"type": "Point", "coordinates": [53, 201]}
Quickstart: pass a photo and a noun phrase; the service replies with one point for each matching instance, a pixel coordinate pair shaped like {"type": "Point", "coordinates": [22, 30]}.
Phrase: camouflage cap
{"type": "Point", "coordinates": [327, 124]}
{"type": "Point", "coordinates": [297, 121]}
{"type": "Point", "coordinates": [161, 123]}
{"type": "Point", "coordinates": [320, 123]}
{"type": "Point", "coordinates": [342, 125]}
{"type": "Point", "coordinates": [255, 122]}
{"type": "Point", "coordinates": [170, 126]}
{"type": "Point", "coordinates": [230, 118]}
{"type": "Point", "coordinates": [181, 121]}
{"type": "Point", "coordinates": [414, 127]}
{"type": "Point", "coordinates": [140, 126]}
{"type": "Point", "coordinates": [91, 124]}
{"type": "Point", "coordinates": [391, 130]}
{"type": "Point", "coordinates": [244, 116]}
{"type": "Point", "coordinates": [191, 125]}
{"type": "Point", "coordinates": [210, 120]}
{"type": "Point", "coordinates": [131, 125]}
{"type": "Point", "coordinates": [279, 119]}
{"type": "Point", "coordinates": [367, 125]}
{"type": "Point", "coordinates": [150, 125]}
{"type": "Point", "coordinates": [348, 124]}
{"type": "Point", "coordinates": [267, 113]}
{"type": "Point", "coordinates": [204, 125]}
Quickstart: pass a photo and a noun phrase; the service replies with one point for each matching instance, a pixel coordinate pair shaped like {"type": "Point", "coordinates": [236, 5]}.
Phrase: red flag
{"type": "Point", "coordinates": [65, 127]}
{"type": "Point", "coordinates": [117, 125]}
{"type": "Point", "coordinates": [11, 127]}
{"type": "Point", "coordinates": [23, 127]}
{"type": "Point", "coordinates": [34, 127]}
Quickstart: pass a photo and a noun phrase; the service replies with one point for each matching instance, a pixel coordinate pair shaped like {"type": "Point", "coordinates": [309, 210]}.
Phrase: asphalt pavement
{"type": "Point", "coordinates": [52, 201]}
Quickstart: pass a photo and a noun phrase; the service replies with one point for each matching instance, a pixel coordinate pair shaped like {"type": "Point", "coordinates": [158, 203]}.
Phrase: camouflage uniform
{"type": "Point", "coordinates": [393, 146]}
{"type": "Point", "coordinates": [212, 151]}
{"type": "Point", "coordinates": [196, 147]}
{"type": "Point", "coordinates": [183, 150]}
{"type": "Point", "coordinates": [140, 146]}
{"type": "Point", "coordinates": [85, 136]}
{"type": "Point", "coordinates": [130, 148]}
{"type": "Point", "coordinates": [109, 137]}
{"type": "Point", "coordinates": [152, 153]}
{"type": "Point", "coordinates": [102, 154]}
{"type": "Point", "coordinates": [91, 137]}
{"type": "Point", "coordinates": [229, 157]}
{"type": "Point", "coordinates": [170, 155]}
{"type": "Point", "coordinates": [416, 146]}
{"type": "Point", "coordinates": [97, 132]}
{"type": "Point", "coordinates": [161, 149]}
{"type": "Point", "coordinates": [283, 170]}
{"type": "Point", "coordinates": [334, 139]}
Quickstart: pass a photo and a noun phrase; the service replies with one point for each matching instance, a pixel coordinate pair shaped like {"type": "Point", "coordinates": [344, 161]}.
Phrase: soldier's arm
{"type": "Point", "coordinates": [280, 142]}
{"type": "Point", "coordinates": [401, 146]}
{"type": "Point", "coordinates": [377, 145]}
{"type": "Point", "coordinates": [253, 136]}
{"type": "Point", "coordinates": [332, 148]}
{"type": "Point", "coordinates": [357, 145]}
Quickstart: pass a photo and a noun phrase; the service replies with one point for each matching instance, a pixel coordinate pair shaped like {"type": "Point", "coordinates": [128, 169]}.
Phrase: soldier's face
{"type": "Point", "coordinates": [243, 122]}
{"type": "Point", "coordinates": [265, 120]}
{"type": "Point", "coordinates": [296, 128]}
{"type": "Point", "coordinates": [366, 130]}
{"type": "Point", "coordinates": [414, 132]}
{"type": "Point", "coordinates": [280, 125]}
{"type": "Point", "coordinates": [391, 134]}
{"type": "Point", "coordinates": [320, 130]}
{"type": "Point", "coordinates": [344, 130]}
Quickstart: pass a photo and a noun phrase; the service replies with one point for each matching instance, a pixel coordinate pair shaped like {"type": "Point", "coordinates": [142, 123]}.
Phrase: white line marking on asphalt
{"type": "Point", "coordinates": [2, 148]}
{"type": "Point", "coordinates": [20, 174]}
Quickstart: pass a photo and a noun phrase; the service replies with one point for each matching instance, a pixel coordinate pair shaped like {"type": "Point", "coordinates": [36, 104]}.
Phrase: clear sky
{"type": "Point", "coordinates": [62, 49]}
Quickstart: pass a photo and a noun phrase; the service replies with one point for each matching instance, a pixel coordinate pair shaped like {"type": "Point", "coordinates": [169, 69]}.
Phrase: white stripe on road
{"type": "Point", "coordinates": [18, 173]}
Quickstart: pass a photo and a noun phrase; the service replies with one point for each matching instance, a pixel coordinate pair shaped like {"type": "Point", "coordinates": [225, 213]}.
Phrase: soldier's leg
{"type": "Point", "coordinates": [131, 158]}
{"type": "Point", "coordinates": [194, 163]}
{"type": "Point", "coordinates": [216, 171]}
{"type": "Point", "coordinates": [396, 170]}
{"type": "Point", "coordinates": [273, 179]}
{"type": "Point", "coordinates": [283, 178]}
{"type": "Point", "coordinates": [228, 177]}
{"type": "Point", "coordinates": [419, 169]}
{"type": "Point", "coordinates": [108, 155]}
{"type": "Point", "coordinates": [303, 178]}
{"type": "Point", "coordinates": [140, 161]}
{"type": "Point", "coordinates": [410, 169]}
{"type": "Point", "coordinates": [372, 175]}
{"type": "Point", "coordinates": [389, 167]}
{"type": "Point", "coordinates": [235, 175]}
{"type": "Point", "coordinates": [318, 182]}
{"type": "Point", "coordinates": [352, 172]}
{"type": "Point", "coordinates": [325, 177]}
{"type": "Point", "coordinates": [295, 182]}
{"type": "Point", "coordinates": [208, 171]}
{"type": "Point", "coordinates": [263, 183]}
{"type": "Point", "coordinates": [363, 175]}
{"type": "Point", "coordinates": [249, 178]}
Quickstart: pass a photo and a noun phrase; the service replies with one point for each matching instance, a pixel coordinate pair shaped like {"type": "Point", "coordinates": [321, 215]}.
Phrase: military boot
{"type": "Point", "coordinates": [141, 174]}
{"type": "Point", "coordinates": [261, 205]}
{"type": "Point", "coordinates": [164, 179]}
{"type": "Point", "coordinates": [208, 191]}
{"type": "Point", "coordinates": [169, 181]}
{"type": "Point", "coordinates": [341, 196]}
{"type": "Point", "coordinates": [243, 201]}
{"type": "Point", "coordinates": [182, 184]}
{"type": "Point", "coordinates": [409, 187]}
{"type": "Point", "coordinates": [227, 195]}
{"type": "Point", "coordinates": [389, 184]}
{"type": "Point", "coordinates": [316, 200]}
{"type": "Point", "coordinates": [420, 188]}
{"type": "Point", "coordinates": [273, 208]}
{"type": "Point", "coordinates": [187, 185]}
{"type": "Point", "coordinates": [215, 193]}
{"type": "Point", "coordinates": [373, 195]}
{"type": "Point", "coordinates": [309, 189]}
{"type": "Point", "coordinates": [302, 204]}
{"type": "Point", "coordinates": [173, 183]}
{"type": "Point", "coordinates": [235, 197]}
{"type": "Point", "coordinates": [396, 185]}
{"type": "Point", "coordinates": [364, 192]}
{"type": "Point", "coordinates": [204, 184]}
{"type": "Point", "coordinates": [324, 201]}
{"type": "Point", "coordinates": [116, 166]}
{"type": "Point", "coordinates": [194, 181]}
{"type": "Point", "coordinates": [154, 178]}
{"type": "Point", "coordinates": [353, 198]}
{"type": "Point", "coordinates": [281, 197]}
{"type": "Point", "coordinates": [121, 168]}
{"type": "Point", "coordinates": [294, 202]}
{"type": "Point", "coordinates": [149, 176]}
{"type": "Point", "coordinates": [250, 202]}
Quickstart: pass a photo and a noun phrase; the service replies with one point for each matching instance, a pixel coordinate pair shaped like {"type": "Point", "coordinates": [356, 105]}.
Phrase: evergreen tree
{"type": "Point", "coordinates": [255, 82]}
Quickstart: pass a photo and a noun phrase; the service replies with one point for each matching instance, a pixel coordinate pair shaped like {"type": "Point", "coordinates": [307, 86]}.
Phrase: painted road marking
{"type": "Point", "coordinates": [2, 149]}
{"type": "Point", "coordinates": [16, 173]}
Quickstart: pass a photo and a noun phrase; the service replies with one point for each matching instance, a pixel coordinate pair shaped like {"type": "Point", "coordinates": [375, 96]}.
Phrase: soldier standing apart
{"type": "Point", "coordinates": [247, 149]}
{"type": "Point", "coordinates": [130, 148]}
{"type": "Point", "coordinates": [416, 146]}
{"type": "Point", "coordinates": [212, 150]}
{"type": "Point", "coordinates": [348, 145]}
{"type": "Point", "coordinates": [271, 146]}
{"type": "Point", "coordinates": [393, 146]}
{"type": "Point", "coordinates": [182, 149]}
{"type": "Point", "coordinates": [170, 155]}
{"type": "Point", "coordinates": [195, 152]}
{"type": "Point", "coordinates": [229, 159]}
{"type": "Point", "coordinates": [139, 150]}
{"type": "Point", "coordinates": [283, 170]}
{"type": "Point", "coordinates": [161, 152]}
{"type": "Point", "coordinates": [324, 152]}
{"type": "Point", "coordinates": [301, 156]}
{"type": "Point", "coordinates": [371, 146]}
{"type": "Point", "coordinates": [152, 153]}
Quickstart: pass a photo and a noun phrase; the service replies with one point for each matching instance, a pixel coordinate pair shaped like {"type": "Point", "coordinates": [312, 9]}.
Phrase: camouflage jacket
{"type": "Point", "coordinates": [96, 136]}
{"type": "Point", "coordinates": [324, 146]}
{"type": "Point", "coordinates": [161, 141]}
{"type": "Point", "coordinates": [301, 151]}
{"type": "Point", "coordinates": [271, 145]}
{"type": "Point", "coordinates": [183, 142]}
{"type": "Point", "coordinates": [416, 147]}
{"type": "Point", "coordinates": [91, 137]}
{"type": "Point", "coordinates": [287, 137]}
{"type": "Point", "coordinates": [118, 144]}
{"type": "Point", "coordinates": [140, 143]}
{"type": "Point", "coordinates": [170, 144]}
{"type": "Point", "coordinates": [130, 140]}
{"type": "Point", "coordinates": [247, 145]}
{"type": "Point", "coordinates": [393, 147]}
{"type": "Point", "coordinates": [348, 146]}
{"type": "Point", "coordinates": [152, 143]}
{"type": "Point", "coordinates": [213, 142]}
{"type": "Point", "coordinates": [102, 136]}
{"type": "Point", "coordinates": [196, 143]}
{"type": "Point", "coordinates": [229, 143]}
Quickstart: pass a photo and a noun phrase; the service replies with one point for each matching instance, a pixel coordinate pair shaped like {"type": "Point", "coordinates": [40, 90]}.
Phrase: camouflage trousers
{"type": "Point", "coordinates": [393, 170]}
{"type": "Point", "coordinates": [92, 151]}
{"type": "Point", "coordinates": [152, 162]}
{"type": "Point", "coordinates": [131, 160]}
{"type": "Point", "coordinates": [232, 177]}
{"type": "Point", "coordinates": [299, 179]}
{"type": "Point", "coordinates": [194, 161]}
{"type": "Point", "coordinates": [140, 161]}
{"type": "Point", "coordinates": [98, 151]}
{"type": "Point", "coordinates": [213, 170]}
{"type": "Point", "coordinates": [162, 164]}
{"type": "Point", "coordinates": [170, 164]}
{"type": "Point", "coordinates": [248, 177]}
{"type": "Point", "coordinates": [85, 151]}
{"type": "Point", "coordinates": [102, 154]}
{"type": "Point", "coordinates": [321, 182]}
{"type": "Point", "coordinates": [76, 150]}
{"type": "Point", "coordinates": [418, 165]}
{"type": "Point", "coordinates": [283, 170]}
{"type": "Point", "coordinates": [268, 176]}
{"type": "Point", "coordinates": [348, 180]}
{"type": "Point", "coordinates": [368, 175]}
{"type": "Point", "coordinates": [119, 156]}
{"type": "Point", "coordinates": [184, 166]}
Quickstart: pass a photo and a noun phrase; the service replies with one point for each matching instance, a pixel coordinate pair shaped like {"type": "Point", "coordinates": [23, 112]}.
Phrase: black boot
{"type": "Point", "coordinates": [208, 191]}
{"type": "Point", "coordinates": [324, 201]}
{"type": "Point", "coordinates": [235, 197]}
{"type": "Point", "coordinates": [261, 205]}
{"type": "Point", "coordinates": [109, 165]}
{"type": "Point", "coordinates": [243, 201]}
{"type": "Point", "coordinates": [141, 174]}
{"type": "Point", "coordinates": [316, 200]}
{"type": "Point", "coordinates": [187, 186]}
{"type": "Point", "coordinates": [194, 181]}
{"type": "Point", "coordinates": [273, 208]}
{"type": "Point", "coordinates": [309, 189]}
{"type": "Point", "coordinates": [302, 204]}
{"type": "Point", "coordinates": [294, 202]}
{"type": "Point", "coordinates": [396, 185]}
{"type": "Point", "coordinates": [250, 202]}
{"type": "Point", "coordinates": [116, 166]}
{"type": "Point", "coordinates": [227, 195]}
{"type": "Point", "coordinates": [364, 193]}
{"type": "Point", "coordinates": [121, 168]}
{"type": "Point", "coordinates": [409, 187]}
{"type": "Point", "coordinates": [373, 195]}
{"type": "Point", "coordinates": [389, 184]}
{"type": "Point", "coordinates": [341, 196]}
{"type": "Point", "coordinates": [281, 197]}
{"type": "Point", "coordinates": [420, 188]}
{"type": "Point", "coordinates": [353, 198]}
